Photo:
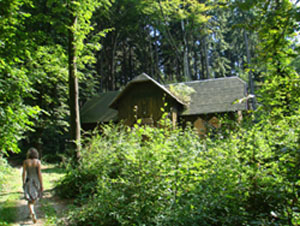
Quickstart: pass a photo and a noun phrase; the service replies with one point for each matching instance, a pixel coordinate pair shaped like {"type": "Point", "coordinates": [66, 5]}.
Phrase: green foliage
{"type": "Point", "coordinates": [296, 64]}
{"type": "Point", "coordinates": [4, 171]}
{"type": "Point", "coordinates": [177, 9]}
{"type": "Point", "coordinates": [50, 213]}
{"type": "Point", "coordinates": [15, 115]}
{"type": "Point", "coordinates": [33, 73]}
{"type": "Point", "coordinates": [159, 176]}
{"type": "Point", "coordinates": [15, 119]}
{"type": "Point", "coordinates": [49, 81]}
{"type": "Point", "coordinates": [277, 25]}
{"type": "Point", "coordinates": [84, 10]}
{"type": "Point", "coordinates": [8, 199]}
{"type": "Point", "coordinates": [276, 132]}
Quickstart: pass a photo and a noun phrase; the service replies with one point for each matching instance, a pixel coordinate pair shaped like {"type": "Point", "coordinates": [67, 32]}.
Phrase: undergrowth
{"type": "Point", "coordinates": [8, 199]}
{"type": "Point", "coordinates": [5, 169]}
{"type": "Point", "coordinates": [164, 176]}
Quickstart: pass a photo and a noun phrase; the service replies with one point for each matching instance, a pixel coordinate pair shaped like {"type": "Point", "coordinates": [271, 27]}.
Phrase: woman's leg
{"type": "Point", "coordinates": [31, 207]}
{"type": "Point", "coordinates": [31, 210]}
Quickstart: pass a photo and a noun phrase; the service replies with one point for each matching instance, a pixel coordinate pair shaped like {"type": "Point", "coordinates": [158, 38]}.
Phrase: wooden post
{"type": "Point", "coordinates": [200, 127]}
{"type": "Point", "coordinates": [240, 116]}
{"type": "Point", "coordinates": [174, 116]}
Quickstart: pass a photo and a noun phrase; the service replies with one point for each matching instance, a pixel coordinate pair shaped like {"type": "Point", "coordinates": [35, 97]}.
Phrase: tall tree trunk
{"type": "Point", "coordinates": [195, 65]}
{"type": "Point", "coordinates": [186, 69]}
{"type": "Point", "coordinates": [202, 71]}
{"type": "Point", "coordinates": [112, 79]}
{"type": "Point", "coordinates": [250, 77]}
{"type": "Point", "coordinates": [73, 90]}
{"type": "Point", "coordinates": [152, 63]}
{"type": "Point", "coordinates": [206, 57]}
{"type": "Point", "coordinates": [130, 64]}
{"type": "Point", "coordinates": [156, 54]}
{"type": "Point", "coordinates": [125, 65]}
{"type": "Point", "coordinates": [100, 70]}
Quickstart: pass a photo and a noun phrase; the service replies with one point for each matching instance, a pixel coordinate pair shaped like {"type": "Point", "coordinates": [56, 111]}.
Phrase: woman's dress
{"type": "Point", "coordinates": [32, 185]}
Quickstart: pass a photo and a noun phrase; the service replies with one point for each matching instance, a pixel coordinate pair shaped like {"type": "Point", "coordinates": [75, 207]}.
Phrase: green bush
{"type": "Point", "coordinates": [160, 176]}
{"type": "Point", "coordinates": [4, 171]}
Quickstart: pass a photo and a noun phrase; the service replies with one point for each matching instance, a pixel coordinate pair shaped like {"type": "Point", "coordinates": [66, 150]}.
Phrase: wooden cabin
{"type": "Point", "coordinates": [199, 102]}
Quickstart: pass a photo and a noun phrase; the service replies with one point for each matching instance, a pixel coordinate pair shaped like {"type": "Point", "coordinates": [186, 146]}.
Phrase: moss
{"type": "Point", "coordinates": [182, 92]}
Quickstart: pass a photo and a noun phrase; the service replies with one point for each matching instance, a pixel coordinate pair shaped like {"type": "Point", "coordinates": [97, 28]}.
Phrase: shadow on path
{"type": "Point", "coordinates": [11, 193]}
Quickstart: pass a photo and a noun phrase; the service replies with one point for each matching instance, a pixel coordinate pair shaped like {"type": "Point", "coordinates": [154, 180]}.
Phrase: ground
{"type": "Point", "coordinates": [13, 206]}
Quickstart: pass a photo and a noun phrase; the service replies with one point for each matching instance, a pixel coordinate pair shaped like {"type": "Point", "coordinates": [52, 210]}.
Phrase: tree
{"type": "Point", "coordinates": [15, 79]}
{"type": "Point", "coordinates": [48, 73]}
{"type": "Point", "coordinates": [73, 79]}
{"type": "Point", "coordinates": [80, 13]}
{"type": "Point", "coordinates": [171, 41]}
{"type": "Point", "coordinates": [278, 97]}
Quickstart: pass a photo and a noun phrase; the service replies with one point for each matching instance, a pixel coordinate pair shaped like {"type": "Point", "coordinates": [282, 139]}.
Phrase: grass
{"type": "Point", "coordinates": [51, 215]}
{"type": "Point", "coordinates": [12, 192]}
{"type": "Point", "coordinates": [51, 173]}
{"type": "Point", "coordinates": [9, 197]}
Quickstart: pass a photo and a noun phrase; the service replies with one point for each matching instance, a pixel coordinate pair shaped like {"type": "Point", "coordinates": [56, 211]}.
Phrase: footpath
{"type": "Point", "coordinates": [13, 206]}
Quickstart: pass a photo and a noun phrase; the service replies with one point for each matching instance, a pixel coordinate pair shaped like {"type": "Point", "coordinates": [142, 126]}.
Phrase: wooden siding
{"type": "Point", "coordinates": [143, 101]}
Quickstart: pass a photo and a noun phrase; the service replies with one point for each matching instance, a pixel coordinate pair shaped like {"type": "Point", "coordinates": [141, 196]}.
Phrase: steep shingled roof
{"type": "Point", "coordinates": [216, 95]}
{"type": "Point", "coordinates": [97, 108]}
{"type": "Point", "coordinates": [143, 78]}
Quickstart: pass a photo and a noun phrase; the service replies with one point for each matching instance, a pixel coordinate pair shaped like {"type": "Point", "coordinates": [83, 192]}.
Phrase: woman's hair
{"type": "Point", "coordinates": [32, 153]}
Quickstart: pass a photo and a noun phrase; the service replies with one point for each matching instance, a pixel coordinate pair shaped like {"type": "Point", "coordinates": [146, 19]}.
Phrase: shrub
{"type": "Point", "coordinates": [160, 176]}
{"type": "Point", "coordinates": [4, 171]}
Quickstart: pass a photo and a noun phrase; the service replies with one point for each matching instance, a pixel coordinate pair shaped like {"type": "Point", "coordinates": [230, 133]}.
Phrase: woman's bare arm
{"type": "Point", "coordinates": [40, 175]}
{"type": "Point", "coordinates": [24, 173]}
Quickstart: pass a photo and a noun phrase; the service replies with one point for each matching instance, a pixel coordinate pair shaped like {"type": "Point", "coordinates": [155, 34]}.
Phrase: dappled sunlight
{"type": "Point", "coordinates": [14, 210]}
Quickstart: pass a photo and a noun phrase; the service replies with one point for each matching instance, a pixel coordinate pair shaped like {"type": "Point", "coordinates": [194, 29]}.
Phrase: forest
{"type": "Point", "coordinates": [57, 54]}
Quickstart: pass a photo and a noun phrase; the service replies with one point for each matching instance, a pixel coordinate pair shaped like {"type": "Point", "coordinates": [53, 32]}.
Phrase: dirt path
{"type": "Point", "coordinates": [22, 217]}
{"type": "Point", "coordinates": [48, 209]}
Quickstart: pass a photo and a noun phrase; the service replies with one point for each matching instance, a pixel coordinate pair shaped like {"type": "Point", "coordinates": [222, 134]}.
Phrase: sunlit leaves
{"type": "Point", "coordinates": [177, 9]}
{"type": "Point", "coordinates": [84, 10]}
{"type": "Point", "coordinates": [14, 76]}
{"type": "Point", "coordinates": [166, 176]}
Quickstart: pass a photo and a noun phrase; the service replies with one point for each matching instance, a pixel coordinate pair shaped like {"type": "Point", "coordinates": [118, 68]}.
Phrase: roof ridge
{"type": "Point", "coordinates": [208, 80]}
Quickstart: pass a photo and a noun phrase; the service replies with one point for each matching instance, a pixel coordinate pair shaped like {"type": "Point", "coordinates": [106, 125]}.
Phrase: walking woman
{"type": "Point", "coordinates": [32, 180]}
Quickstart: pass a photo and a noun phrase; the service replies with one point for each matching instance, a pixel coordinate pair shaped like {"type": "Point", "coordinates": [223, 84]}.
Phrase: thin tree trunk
{"type": "Point", "coordinates": [113, 63]}
{"type": "Point", "coordinates": [130, 64]}
{"type": "Point", "coordinates": [156, 55]}
{"type": "Point", "coordinates": [196, 60]}
{"type": "Point", "coordinates": [251, 82]}
{"type": "Point", "coordinates": [125, 65]}
{"type": "Point", "coordinates": [202, 70]}
{"type": "Point", "coordinates": [152, 64]}
{"type": "Point", "coordinates": [73, 90]}
{"type": "Point", "coordinates": [186, 70]}
{"type": "Point", "coordinates": [100, 68]}
{"type": "Point", "coordinates": [169, 37]}
{"type": "Point", "coordinates": [206, 57]}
